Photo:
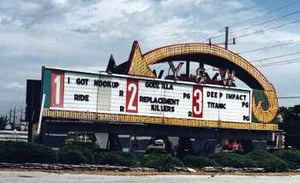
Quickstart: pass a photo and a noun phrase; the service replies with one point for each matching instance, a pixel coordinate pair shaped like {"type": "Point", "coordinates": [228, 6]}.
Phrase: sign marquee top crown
{"type": "Point", "coordinates": [139, 66]}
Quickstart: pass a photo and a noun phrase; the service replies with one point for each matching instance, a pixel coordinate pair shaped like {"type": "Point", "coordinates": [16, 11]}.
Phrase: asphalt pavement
{"type": "Point", "coordinates": [44, 177]}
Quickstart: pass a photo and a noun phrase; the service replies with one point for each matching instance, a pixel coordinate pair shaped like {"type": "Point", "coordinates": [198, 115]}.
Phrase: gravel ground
{"type": "Point", "coordinates": [43, 177]}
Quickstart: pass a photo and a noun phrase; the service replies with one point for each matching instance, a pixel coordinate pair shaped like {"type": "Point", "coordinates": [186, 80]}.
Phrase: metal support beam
{"type": "Point", "coordinates": [187, 68]}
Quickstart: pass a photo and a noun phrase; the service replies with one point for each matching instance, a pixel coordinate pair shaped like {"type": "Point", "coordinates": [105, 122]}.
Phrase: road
{"type": "Point", "coordinates": [38, 177]}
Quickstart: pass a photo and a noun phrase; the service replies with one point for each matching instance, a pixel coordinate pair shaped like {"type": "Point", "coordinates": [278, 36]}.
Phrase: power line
{"type": "Point", "coordinates": [267, 12]}
{"type": "Point", "coordinates": [269, 21]}
{"type": "Point", "coordinates": [290, 97]}
{"type": "Point", "coordinates": [283, 62]}
{"type": "Point", "coordinates": [279, 56]}
{"type": "Point", "coordinates": [284, 24]}
{"type": "Point", "coordinates": [270, 28]}
{"type": "Point", "coordinates": [215, 34]}
{"type": "Point", "coordinates": [268, 47]}
{"type": "Point", "coordinates": [274, 10]}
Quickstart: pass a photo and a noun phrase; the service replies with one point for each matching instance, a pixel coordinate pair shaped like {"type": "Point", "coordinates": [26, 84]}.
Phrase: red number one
{"type": "Point", "coordinates": [57, 89]}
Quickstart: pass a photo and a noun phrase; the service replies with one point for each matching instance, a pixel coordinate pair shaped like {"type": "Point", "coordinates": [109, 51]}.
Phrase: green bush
{"type": "Point", "coordinates": [116, 158]}
{"type": "Point", "coordinates": [3, 122]}
{"type": "Point", "coordinates": [232, 160]}
{"type": "Point", "coordinates": [267, 161]}
{"type": "Point", "coordinates": [82, 145]}
{"type": "Point", "coordinates": [198, 161]}
{"type": "Point", "coordinates": [87, 150]}
{"type": "Point", "coordinates": [23, 152]}
{"type": "Point", "coordinates": [292, 157]}
{"type": "Point", "coordinates": [161, 161]}
{"type": "Point", "coordinates": [156, 151]}
{"type": "Point", "coordinates": [69, 156]}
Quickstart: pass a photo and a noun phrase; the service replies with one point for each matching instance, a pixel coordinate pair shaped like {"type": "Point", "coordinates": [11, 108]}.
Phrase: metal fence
{"type": "Point", "coordinates": [13, 135]}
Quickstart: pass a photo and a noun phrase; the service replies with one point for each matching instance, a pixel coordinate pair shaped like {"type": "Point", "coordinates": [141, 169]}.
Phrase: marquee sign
{"type": "Point", "coordinates": [103, 93]}
{"type": "Point", "coordinates": [132, 92]}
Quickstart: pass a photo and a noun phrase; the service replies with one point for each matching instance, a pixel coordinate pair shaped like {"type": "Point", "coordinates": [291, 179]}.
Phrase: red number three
{"type": "Point", "coordinates": [197, 102]}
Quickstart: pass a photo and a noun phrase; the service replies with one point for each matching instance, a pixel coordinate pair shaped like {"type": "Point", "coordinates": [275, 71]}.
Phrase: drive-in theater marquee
{"type": "Point", "coordinates": [132, 92]}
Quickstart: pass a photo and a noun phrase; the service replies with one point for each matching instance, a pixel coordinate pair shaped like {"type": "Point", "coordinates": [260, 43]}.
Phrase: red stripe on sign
{"type": "Point", "coordinates": [132, 93]}
{"type": "Point", "coordinates": [57, 89]}
{"type": "Point", "coordinates": [197, 111]}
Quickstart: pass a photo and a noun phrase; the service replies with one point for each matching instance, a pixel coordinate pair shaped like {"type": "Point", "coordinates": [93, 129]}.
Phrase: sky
{"type": "Point", "coordinates": [82, 34]}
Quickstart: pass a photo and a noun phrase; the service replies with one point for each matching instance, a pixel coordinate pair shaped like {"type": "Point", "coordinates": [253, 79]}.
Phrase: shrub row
{"type": "Point", "coordinates": [268, 161]}
{"type": "Point", "coordinates": [21, 152]}
{"type": "Point", "coordinates": [161, 160]}
{"type": "Point", "coordinates": [261, 159]}
{"type": "Point", "coordinates": [291, 157]}
{"type": "Point", "coordinates": [79, 153]}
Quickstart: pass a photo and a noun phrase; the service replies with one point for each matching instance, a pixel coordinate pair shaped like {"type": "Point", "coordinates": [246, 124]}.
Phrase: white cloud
{"type": "Point", "coordinates": [14, 85]}
{"type": "Point", "coordinates": [173, 30]}
{"type": "Point", "coordinates": [61, 2]}
{"type": "Point", "coordinates": [82, 34]}
{"type": "Point", "coordinates": [28, 7]}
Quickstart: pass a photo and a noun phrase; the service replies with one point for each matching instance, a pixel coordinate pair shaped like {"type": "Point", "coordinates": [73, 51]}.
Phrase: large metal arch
{"type": "Point", "coordinates": [139, 66]}
{"type": "Point", "coordinates": [216, 61]}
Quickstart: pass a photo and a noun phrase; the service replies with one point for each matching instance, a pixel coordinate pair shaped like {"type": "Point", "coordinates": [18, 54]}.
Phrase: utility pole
{"type": "Point", "coordinates": [14, 119]}
{"type": "Point", "coordinates": [21, 114]}
{"type": "Point", "coordinates": [226, 42]}
{"type": "Point", "coordinates": [10, 113]}
{"type": "Point", "coordinates": [226, 37]}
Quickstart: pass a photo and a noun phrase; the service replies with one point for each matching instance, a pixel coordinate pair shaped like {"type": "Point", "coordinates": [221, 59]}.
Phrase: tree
{"type": "Point", "coordinates": [3, 122]}
{"type": "Point", "coordinates": [282, 112]}
{"type": "Point", "coordinates": [291, 126]}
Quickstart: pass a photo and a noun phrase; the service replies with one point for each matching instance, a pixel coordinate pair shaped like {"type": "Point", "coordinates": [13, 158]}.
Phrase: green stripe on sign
{"type": "Point", "coordinates": [260, 96]}
{"type": "Point", "coordinates": [47, 86]}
